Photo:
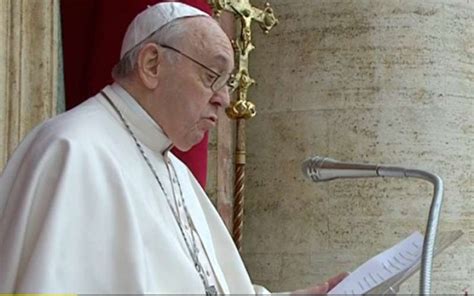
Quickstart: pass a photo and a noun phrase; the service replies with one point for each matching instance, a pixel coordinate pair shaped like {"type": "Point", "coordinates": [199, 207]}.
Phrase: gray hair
{"type": "Point", "coordinates": [168, 34]}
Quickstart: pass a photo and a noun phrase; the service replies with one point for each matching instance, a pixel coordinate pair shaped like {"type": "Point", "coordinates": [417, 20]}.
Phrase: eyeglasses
{"type": "Point", "coordinates": [219, 81]}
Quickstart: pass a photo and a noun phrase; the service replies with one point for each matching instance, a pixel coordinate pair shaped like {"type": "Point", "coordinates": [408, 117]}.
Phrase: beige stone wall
{"type": "Point", "coordinates": [368, 81]}
{"type": "Point", "coordinates": [30, 80]}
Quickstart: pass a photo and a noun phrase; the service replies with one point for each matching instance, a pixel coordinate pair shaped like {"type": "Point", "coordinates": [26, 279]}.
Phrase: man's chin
{"type": "Point", "coordinates": [188, 145]}
{"type": "Point", "coordinates": [183, 147]}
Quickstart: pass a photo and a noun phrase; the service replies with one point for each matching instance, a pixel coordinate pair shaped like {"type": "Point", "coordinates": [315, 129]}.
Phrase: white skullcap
{"type": "Point", "coordinates": [152, 19]}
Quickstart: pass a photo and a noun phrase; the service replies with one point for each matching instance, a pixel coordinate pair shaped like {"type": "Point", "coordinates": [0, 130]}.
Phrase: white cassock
{"type": "Point", "coordinates": [81, 212]}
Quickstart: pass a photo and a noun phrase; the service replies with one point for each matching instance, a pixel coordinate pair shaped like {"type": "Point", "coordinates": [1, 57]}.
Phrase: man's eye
{"type": "Point", "coordinates": [210, 78]}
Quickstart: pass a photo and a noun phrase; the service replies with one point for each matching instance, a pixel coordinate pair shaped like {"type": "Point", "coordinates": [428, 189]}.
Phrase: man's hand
{"type": "Point", "coordinates": [322, 289]}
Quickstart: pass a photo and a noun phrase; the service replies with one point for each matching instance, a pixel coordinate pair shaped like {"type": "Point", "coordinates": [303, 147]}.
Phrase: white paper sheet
{"type": "Point", "coordinates": [383, 267]}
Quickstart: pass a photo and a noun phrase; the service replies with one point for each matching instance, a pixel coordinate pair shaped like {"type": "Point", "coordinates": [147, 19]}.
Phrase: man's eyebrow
{"type": "Point", "coordinates": [221, 61]}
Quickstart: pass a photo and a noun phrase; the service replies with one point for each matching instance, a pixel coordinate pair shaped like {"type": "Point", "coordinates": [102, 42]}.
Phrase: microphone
{"type": "Point", "coordinates": [321, 169]}
{"type": "Point", "coordinates": [325, 169]}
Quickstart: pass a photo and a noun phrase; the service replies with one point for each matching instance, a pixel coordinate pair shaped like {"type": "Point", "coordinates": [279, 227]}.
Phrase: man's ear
{"type": "Point", "coordinates": [148, 65]}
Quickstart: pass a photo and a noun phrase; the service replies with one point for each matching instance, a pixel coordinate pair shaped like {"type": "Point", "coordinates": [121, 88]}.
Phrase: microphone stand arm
{"type": "Point", "coordinates": [433, 218]}
{"type": "Point", "coordinates": [326, 169]}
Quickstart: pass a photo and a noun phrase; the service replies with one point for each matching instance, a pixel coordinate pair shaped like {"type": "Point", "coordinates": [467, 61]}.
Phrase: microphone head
{"type": "Point", "coordinates": [325, 169]}
{"type": "Point", "coordinates": [311, 168]}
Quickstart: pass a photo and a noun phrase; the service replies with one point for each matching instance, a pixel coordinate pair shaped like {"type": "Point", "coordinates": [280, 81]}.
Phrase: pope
{"type": "Point", "coordinates": [93, 201]}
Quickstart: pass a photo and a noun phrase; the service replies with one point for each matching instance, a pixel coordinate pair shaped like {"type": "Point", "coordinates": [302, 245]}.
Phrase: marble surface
{"type": "Point", "coordinates": [30, 68]}
{"type": "Point", "coordinates": [365, 81]}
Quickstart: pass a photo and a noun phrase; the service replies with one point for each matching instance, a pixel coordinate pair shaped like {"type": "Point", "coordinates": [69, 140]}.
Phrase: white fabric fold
{"type": "Point", "coordinates": [82, 213]}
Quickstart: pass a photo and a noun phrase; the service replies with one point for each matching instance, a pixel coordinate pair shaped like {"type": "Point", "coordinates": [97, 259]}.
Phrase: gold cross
{"type": "Point", "coordinates": [242, 108]}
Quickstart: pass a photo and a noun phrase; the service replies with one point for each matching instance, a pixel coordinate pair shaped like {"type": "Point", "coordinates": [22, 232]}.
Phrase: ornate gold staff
{"type": "Point", "coordinates": [242, 109]}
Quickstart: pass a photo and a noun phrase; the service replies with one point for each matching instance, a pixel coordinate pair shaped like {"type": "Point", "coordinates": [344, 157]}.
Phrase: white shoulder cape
{"type": "Point", "coordinates": [81, 213]}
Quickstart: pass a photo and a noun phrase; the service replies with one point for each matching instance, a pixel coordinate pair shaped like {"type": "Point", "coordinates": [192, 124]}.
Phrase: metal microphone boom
{"type": "Point", "coordinates": [321, 169]}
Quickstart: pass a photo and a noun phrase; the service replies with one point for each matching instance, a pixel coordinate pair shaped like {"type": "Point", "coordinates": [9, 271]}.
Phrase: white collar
{"type": "Point", "coordinates": [143, 126]}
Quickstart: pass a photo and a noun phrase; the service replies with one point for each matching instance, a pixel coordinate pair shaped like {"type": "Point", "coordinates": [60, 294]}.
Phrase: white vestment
{"type": "Point", "coordinates": [80, 211]}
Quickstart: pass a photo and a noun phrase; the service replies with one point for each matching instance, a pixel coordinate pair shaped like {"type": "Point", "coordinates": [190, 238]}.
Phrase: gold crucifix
{"type": "Point", "coordinates": [246, 13]}
{"type": "Point", "coordinates": [241, 108]}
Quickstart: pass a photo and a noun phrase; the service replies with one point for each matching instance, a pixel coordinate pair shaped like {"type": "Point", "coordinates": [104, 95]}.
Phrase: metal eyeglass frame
{"type": "Point", "coordinates": [219, 82]}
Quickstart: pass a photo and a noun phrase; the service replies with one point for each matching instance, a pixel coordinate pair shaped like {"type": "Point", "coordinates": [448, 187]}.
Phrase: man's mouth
{"type": "Point", "coordinates": [212, 118]}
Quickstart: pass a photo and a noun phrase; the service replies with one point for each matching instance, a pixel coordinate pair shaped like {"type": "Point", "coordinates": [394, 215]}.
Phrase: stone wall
{"type": "Point", "coordinates": [30, 73]}
{"type": "Point", "coordinates": [365, 81]}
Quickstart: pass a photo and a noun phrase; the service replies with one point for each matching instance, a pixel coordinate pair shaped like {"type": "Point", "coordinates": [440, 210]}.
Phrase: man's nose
{"type": "Point", "coordinates": [221, 97]}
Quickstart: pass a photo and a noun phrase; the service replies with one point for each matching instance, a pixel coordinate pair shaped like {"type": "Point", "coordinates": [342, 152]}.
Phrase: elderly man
{"type": "Point", "coordinates": [92, 201]}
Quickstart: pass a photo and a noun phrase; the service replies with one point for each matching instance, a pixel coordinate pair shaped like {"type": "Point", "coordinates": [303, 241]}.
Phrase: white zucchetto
{"type": "Point", "coordinates": [152, 19]}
